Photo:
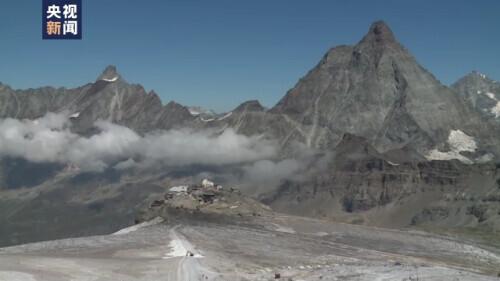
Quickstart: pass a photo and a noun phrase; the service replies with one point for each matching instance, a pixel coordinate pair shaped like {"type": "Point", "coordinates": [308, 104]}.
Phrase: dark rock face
{"type": "Point", "coordinates": [363, 183]}
{"type": "Point", "coordinates": [109, 74]}
{"type": "Point", "coordinates": [174, 115]}
{"type": "Point", "coordinates": [252, 105]}
{"type": "Point", "coordinates": [481, 93]}
{"type": "Point", "coordinates": [377, 90]}
{"type": "Point", "coordinates": [34, 103]}
{"type": "Point", "coordinates": [431, 214]}
{"type": "Point", "coordinates": [478, 211]}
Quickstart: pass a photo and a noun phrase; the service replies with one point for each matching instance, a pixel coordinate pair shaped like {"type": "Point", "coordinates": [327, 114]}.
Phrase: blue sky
{"type": "Point", "coordinates": [220, 53]}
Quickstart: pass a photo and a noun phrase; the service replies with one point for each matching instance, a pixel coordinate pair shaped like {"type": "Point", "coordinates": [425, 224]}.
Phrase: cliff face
{"type": "Point", "coordinates": [377, 90]}
{"type": "Point", "coordinates": [480, 92]}
{"type": "Point", "coordinates": [364, 186]}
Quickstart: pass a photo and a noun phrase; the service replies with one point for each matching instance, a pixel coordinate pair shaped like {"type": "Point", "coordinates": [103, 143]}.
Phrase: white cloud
{"type": "Point", "coordinates": [186, 147]}
{"type": "Point", "coordinates": [41, 140]}
{"type": "Point", "coordinates": [49, 139]}
{"type": "Point", "coordinates": [97, 152]}
{"type": "Point", "coordinates": [269, 172]}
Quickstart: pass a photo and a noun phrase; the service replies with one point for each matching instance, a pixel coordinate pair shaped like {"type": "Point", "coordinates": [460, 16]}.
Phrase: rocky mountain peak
{"type": "Point", "coordinates": [378, 91]}
{"type": "Point", "coordinates": [251, 105]}
{"type": "Point", "coordinates": [179, 108]}
{"type": "Point", "coordinates": [476, 82]}
{"type": "Point", "coordinates": [173, 104]}
{"type": "Point", "coordinates": [481, 93]}
{"type": "Point", "coordinates": [110, 74]}
{"type": "Point", "coordinates": [379, 32]}
{"type": "Point", "coordinates": [473, 77]}
{"type": "Point", "coordinates": [477, 74]}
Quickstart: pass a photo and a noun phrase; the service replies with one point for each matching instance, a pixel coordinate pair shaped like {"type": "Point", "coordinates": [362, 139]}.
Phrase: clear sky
{"type": "Point", "coordinates": [219, 53]}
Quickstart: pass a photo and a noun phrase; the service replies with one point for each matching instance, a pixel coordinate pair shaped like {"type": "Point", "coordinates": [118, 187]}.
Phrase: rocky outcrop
{"type": "Point", "coordinates": [480, 92]}
{"type": "Point", "coordinates": [364, 183]}
{"type": "Point", "coordinates": [252, 105]}
{"type": "Point", "coordinates": [203, 201]}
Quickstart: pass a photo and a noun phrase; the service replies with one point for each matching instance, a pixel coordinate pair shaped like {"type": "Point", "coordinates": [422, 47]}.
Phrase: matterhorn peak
{"type": "Point", "coordinates": [110, 74]}
{"type": "Point", "coordinates": [379, 32]}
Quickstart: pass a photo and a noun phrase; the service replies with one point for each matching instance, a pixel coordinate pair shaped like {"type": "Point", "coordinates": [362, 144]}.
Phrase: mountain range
{"type": "Point", "coordinates": [376, 139]}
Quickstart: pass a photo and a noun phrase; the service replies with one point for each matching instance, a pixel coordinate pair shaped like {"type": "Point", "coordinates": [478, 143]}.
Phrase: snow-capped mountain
{"type": "Point", "coordinates": [481, 92]}
{"type": "Point", "coordinates": [357, 133]}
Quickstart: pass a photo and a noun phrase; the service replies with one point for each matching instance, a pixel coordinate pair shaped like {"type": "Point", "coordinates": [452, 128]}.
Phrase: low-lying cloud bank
{"type": "Point", "coordinates": [271, 173]}
{"type": "Point", "coordinates": [49, 139]}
